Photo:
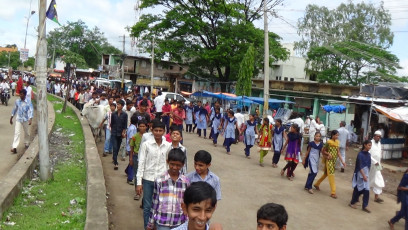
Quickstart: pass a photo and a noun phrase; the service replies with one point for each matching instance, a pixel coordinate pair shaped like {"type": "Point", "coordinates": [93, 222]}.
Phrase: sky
{"type": "Point", "coordinates": [113, 16]}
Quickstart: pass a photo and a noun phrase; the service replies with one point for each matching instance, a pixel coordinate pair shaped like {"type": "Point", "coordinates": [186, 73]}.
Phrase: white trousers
{"type": "Point", "coordinates": [17, 133]}
{"type": "Point", "coordinates": [343, 156]}
{"type": "Point", "coordinates": [377, 190]}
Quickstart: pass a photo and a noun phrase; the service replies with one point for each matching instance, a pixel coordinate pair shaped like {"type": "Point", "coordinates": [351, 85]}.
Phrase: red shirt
{"type": "Point", "coordinates": [166, 108]}
{"type": "Point", "coordinates": [181, 113]}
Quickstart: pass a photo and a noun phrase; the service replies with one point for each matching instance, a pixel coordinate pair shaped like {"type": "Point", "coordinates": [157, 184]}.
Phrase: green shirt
{"type": "Point", "coordinates": [135, 142]}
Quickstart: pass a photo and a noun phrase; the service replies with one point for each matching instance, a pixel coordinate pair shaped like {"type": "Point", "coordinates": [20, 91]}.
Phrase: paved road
{"type": "Point", "coordinates": [246, 186]}
{"type": "Point", "coordinates": [8, 159]}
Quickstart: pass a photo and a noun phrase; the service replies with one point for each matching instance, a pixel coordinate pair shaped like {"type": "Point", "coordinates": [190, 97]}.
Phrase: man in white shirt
{"type": "Point", "coordinates": [344, 141]}
{"type": "Point", "coordinates": [376, 178]}
{"type": "Point", "coordinates": [158, 103]}
{"type": "Point", "coordinates": [152, 164]}
{"type": "Point", "coordinates": [240, 120]}
{"type": "Point", "coordinates": [4, 84]}
{"type": "Point", "coordinates": [29, 91]}
{"type": "Point", "coordinates": [57, 89]}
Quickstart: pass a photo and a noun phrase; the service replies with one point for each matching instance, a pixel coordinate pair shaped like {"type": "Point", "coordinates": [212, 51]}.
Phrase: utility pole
{"type": "Point", "coordinates": [42, 94]}
{"type": "Point", "coordinates": [30, 13]}
{"type": "Point", "coordinates": [68, 71]}
{"type": "Point", "coordinates": [152, 68]}
{"type": "Point", "coordinates": [53, 56]}
{"type": "Point", "coordinates": [266, 62]}
{"type": "Point", "coordinates": [123, 64]}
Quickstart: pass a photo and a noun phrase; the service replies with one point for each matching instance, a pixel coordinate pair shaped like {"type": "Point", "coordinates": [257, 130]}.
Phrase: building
{"type": "Point", "coordinates": [10, 49]}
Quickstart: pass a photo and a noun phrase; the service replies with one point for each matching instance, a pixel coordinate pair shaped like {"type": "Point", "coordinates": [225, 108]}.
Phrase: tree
{"type": "Point", "coordinates": [245, 74]}
{"type": "Point", "coordinates": [212, 36]}
{"type": "Point", "coordinates": [348, 44]}
{"type": "Point", "coordinates": [76, 38]}
{"type": "Point", "coordinates": [15, 61]}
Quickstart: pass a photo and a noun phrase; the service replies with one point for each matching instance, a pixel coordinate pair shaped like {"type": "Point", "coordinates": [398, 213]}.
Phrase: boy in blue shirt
{"type": "Point", "coordinates": [202, 161]}
{"type": "Point", "coordinates": [200, 201]}
{"type": "Point", "coordinates": [271, 216]}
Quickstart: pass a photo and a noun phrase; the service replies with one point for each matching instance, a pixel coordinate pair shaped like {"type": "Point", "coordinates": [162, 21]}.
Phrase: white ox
{"type": "Point", "coordinates": [95, 115]}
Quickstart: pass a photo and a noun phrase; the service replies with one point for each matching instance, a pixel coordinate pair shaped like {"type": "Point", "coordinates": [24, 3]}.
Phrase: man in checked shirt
{"type": "Point", "coordinates": [24, 110]}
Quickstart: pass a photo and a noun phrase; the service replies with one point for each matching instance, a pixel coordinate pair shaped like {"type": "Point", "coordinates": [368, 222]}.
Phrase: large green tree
{"type": "Point", "coordinates": [75, 39]}
{"type": "Point", "coordinates": [211, 36]}
{"type": "Point", "coordinates": [15, 61]}
{"type": "Point", "coordinates": [348, 44]}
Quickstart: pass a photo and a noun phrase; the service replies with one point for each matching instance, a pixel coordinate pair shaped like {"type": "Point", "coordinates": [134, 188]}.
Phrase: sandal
{"type": "Point", "coordinates": [282, 172]}
{"type": "Point", "coordinates": [310, 191]}
{"type": "Point", "coordinates": [333, 196]}
{"type": "Point", "coordinates": [136, 197]}
{"type": "Point", "coordinates": [366, 210]}
{"type": "Point", "coordinates": [316, 187]}
{"type": "Point", "coordinates": [391, 225]}
{"type": "Point", "coordinates": [353, 206]}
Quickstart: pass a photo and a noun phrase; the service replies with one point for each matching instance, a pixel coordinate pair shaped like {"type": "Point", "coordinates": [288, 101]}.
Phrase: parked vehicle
{"type": "Point", "coordinates": [116, 84]}
{"type": "Point", "coordinates": [5, 96]}
{"type": "Point", "coordinates": [176, 97]}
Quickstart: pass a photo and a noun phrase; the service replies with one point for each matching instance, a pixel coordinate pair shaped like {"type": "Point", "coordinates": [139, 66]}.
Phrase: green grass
{"type": "Point", "coordinates": [46, 205]}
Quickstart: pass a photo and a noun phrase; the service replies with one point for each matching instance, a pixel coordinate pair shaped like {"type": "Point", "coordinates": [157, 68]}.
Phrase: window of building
{"type": "Point", "coordinates": [181, 68]}
{"type": "Point", "coordinates": [171, 67]}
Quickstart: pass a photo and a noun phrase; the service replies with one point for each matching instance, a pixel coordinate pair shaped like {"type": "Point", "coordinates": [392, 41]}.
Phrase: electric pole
{"type": "Point", "coordinates": [42, 108]}
{"type": "Point", "coordinates": [123, 63]}
{"type": "Point", "coordinates": [152, 68]}
{"type": "Point", "coordinates": [266, 62]}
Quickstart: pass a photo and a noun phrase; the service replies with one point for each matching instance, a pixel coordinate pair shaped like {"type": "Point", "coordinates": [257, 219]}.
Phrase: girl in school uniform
{"type": "Point", "coordinates": [216, 125]}
{"type": "Point", "coordinates": [249, 137]}
{"type": "Point", "coordinates": [196, 112]}
{"type": "Point", "coordinates": [312, 160]}
{"type": "Point", "coordinates": [189, 117]}
{"type": "Point", "coordinates": [279, 137]}
{"type": "Point", "coordinates": [265, 139]}
{"type": "Point", "coordinates": [229, 134]}
{"type": "Point", "coordinates": [202, 122]}
{"type": "Point", "coordinates": [292, 152]}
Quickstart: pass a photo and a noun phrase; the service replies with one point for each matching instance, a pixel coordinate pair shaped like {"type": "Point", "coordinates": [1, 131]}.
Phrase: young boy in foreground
{"type": "Point", "coordinates": [272, 217]}
{"type": "Point", "coordinates": [168, 194]}
{"type": "Point", "coordinates": [202, 162]}
{"type": "Point", "coordinates": [200, 201]}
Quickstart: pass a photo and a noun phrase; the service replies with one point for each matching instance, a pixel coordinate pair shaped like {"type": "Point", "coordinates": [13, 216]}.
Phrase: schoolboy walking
{"type": "Point", "coordinates": [176, 139]}
{"type": "Point", "coordinates": [199, 205]}
{"type": "Point", "coordinates": [134, 143]}
{"type": "Point", "coordinates": [152, 164]}
{"type": "Point", "coordinates": [119, 125]}
{"type": "Point", "coordinates": [131, 131]}
{"type": "Point", "coordinates": [271, 216]}
{"type": "Point", "coordinates": [168, 194]}
{"type": "Point", "coordinates": [108, 147]}
{"type": "Point", "coordinates": [202, 162]}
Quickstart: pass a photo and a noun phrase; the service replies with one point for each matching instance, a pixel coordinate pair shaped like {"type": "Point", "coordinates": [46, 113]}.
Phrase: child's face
{"type": "Point", "coordinates": [176, 136]}
{"type": "Point", "coordinates": [158, 133]}
{"type": "Point", "coordinates": [268, 225]}
{"type": "Point", "coordinates": [174, 167]}
{"type": "Point", "coordinates": [198, 214]}
{"type": "Point", "coordinates": [112, 108]}
{"type": "Point", "coordinates": [335, 137]}
{"type": "Point", "coordinates": [142, 128]}
{"type": "Point", "coordinates": [317, 137]}
{"type": "Point", "coordinates": [201, 167]}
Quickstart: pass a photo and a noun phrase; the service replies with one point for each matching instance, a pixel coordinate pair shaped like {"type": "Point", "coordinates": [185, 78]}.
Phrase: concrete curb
{"type": "Point", "coordinates": [96, 210]}
{"type": "Point", "coordinates": [12, 183]}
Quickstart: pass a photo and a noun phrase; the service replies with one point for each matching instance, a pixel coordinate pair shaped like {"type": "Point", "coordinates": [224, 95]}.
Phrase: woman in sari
{"type": "Point", "coordinates": [265, 139]}
{"type": "Point", "coordinates": [19, 85]}
{"type": "Point", "coordinates": [331, 152]}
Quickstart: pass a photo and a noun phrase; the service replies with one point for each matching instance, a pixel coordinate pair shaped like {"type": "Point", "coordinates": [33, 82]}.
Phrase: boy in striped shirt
{"type": "Point", "coordinates": [168, 194]}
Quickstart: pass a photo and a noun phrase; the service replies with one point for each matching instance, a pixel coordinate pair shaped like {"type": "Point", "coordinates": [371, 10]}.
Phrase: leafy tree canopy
{"type": "Point", "coordinates": [15, 61]}
{"type": "Point", "coordinates": [348, 44]}
{"type": "Point", "coordinates": [212, 36]}
{"type": "Point", "coordinates": [246, 71]}
{"type": "Point", "coordinates": [75, 39]}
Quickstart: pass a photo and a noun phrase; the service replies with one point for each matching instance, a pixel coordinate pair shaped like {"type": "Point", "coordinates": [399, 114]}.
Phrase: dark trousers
{"type": "Point", "coordinates": [276, 157]}
{"type": "Point", "coordinates": [211, 133]}
{"type": "Point", "coordinates": [248, 150]}
{"type": "Point", "coordinates": [236, 136]}
{"type": "Point", "coordinates": [356, 195]}
{"type": "Point", "coordinates": [199, 132]}
{"type": "Point", "coordinates": [116, 142]}
{"type": "Point", "coordinates": [131, 171]}
{"type": "Point", "coordinates": [403, 213]}
{"type": "Point", "coordinates": [189, 128]}
{"type": "Point", "coordinates": [158, 115]}
{"type": "Point", "coordinates": [166, 121]}
{"type": "Point", "coordinates": [194, 127]}
{"type": "Point", "coordinates": [290, 166]}
{"type": "Point", "coordinates": [228, 143]}
{"type": "Point", "coordinates": [310, 179]}
{"type": "Point", "coordinates": [215, 137]}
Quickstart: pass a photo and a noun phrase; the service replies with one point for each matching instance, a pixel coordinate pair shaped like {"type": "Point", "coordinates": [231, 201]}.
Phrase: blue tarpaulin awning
{"type": "Point", "coordinates": [260, 100]}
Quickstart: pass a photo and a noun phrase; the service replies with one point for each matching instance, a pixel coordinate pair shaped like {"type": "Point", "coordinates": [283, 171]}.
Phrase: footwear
{"type": "Point", "coordinates": [334, 196]}
{"type": "Point", "coordinates": [136, 197]}
{"type": "Point", "coordinates": [247, 157]}
{"type": "Point", "coordinates": [282, 172]}
{"type": "Point", "coordinates": [228, 153]}
{"type": "Point", "coordinates": [26, 146]}
{"type": "Point", "coordinates": [130, 182]}
{"type": "Point", "coordinates": [316, 187]}
{"type": "Point", "coordinates": [366, 210]}
{"type": "Point", "coordinates": [261, 164]}
{"type": "Point", "coordinates": [342, 170]}
{"type": "Point", "coordinates": [215, 145]}
{"type": "Point", "coordinates": [353, 206]}
{"type": "Point", "coordinates": [310, 191]}
{"type": "Point", "coordinates": [105, 154]}
{"type": "Point", "coordinates": [14, 150]}
{"type": "Point", "coordinates": [116, 167]}
{"type": "Point", "coordinates": [391, 225]}
{"type": "Point", "coordinates": [379, 200]}
{"type": "Point", "coordinates": [290, 178]}
{"type": "Point", "coordinates": [205, 137]}
{"type": "Point", "coordinates": [123, 159]}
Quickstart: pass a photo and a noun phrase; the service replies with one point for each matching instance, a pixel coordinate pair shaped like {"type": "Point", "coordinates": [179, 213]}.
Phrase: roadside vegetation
{"type": "Point", "coordinates": [59, 203]}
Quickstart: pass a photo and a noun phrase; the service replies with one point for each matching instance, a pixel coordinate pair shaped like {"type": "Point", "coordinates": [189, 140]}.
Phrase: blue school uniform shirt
{"type": "Point", "coordinates": [402, 196]}
{"type": "Point", "coordinates": [216, 123]}
{"type": "Point", "coordinates": [211, 179]}
{"type": "Point", "coordinates": [230, 128]}
{"type": "Point", "coordinates": [131, 131]}
{"type": "Point", "coordinates": [189, 115]}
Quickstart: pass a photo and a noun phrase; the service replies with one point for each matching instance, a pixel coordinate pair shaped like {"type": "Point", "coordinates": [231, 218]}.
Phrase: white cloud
{"type": "Point", "coordinates": [404, 70]}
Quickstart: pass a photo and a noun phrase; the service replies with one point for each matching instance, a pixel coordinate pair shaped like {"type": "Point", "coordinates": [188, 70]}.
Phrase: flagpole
{"type": "Point", "coordinates": [42, 106]}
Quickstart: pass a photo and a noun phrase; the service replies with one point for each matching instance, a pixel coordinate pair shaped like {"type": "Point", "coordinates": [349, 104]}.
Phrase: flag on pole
{"type": "Point", "coordinates": [52, 12]}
